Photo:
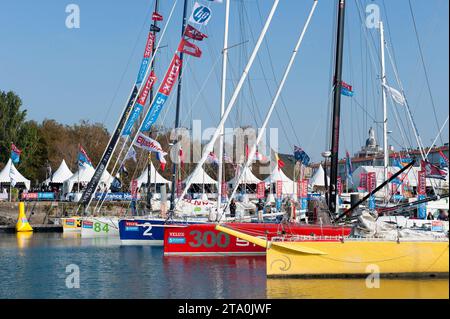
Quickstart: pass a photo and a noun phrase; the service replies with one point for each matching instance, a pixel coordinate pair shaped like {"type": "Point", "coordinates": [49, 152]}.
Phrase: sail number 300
{"type": "Point", "coordinates": [209, 239]}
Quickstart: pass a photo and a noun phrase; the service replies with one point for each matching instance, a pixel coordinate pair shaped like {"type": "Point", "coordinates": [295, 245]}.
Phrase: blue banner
{"type": "Point", "coordinates": [372, 202]}
{"type": "Point", "coordinates": [422, 208]}
{"type": "Point", "coordinates": [304, 203]}
{"type": "Point", "coordinates": [142, 71]}
{"type": "Point", "coordinates": [132, 119]}
{"type": "Point", "coordinates": [113, 196]}
{"type": "Point", "coordinates": [155, 109]}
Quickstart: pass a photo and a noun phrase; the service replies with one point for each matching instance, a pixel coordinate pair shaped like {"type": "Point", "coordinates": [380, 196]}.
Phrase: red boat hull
{"type": "Point", "coordinates": [205, 240]}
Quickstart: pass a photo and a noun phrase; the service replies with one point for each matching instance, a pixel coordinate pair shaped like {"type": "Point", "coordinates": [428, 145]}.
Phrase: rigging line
{"type": "Point", "coordinates": [266, 82]}
{"type": "Point", "coordinates": [127, 65]}
{"type": "Point", "coordinates": [424, 68]}
{"type": "Point", "coordinates": [275, 79]}
{"type": "Point", "coordinates": [439, 133]}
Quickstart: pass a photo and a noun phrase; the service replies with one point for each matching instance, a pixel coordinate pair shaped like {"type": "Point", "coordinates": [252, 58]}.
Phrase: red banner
{"type": "Point", "coordinates": [171, 76]}
{"type": "Point", "coordinates": [279, 189]}
{"type": "Point", "coordinates": [363, 181]}
{"type": "Point", "coordinates": [371, 181]}
{"type": "Point", "coordinates": [261, 189]}
{"type": "Point", "coordinates": [134, 188]}
{"type": "Point", "coordinates": [146, 90]}
{"type": "Point", "coordinates": [421, 183]}
{"type": "Point", "coordinates": [149, 45]}
{"type": "Point", "coordinates": [189, 48]}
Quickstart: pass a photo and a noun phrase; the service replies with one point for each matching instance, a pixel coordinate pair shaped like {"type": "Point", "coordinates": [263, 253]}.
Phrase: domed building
{"type": "Point", "coordinates": [371, 148]}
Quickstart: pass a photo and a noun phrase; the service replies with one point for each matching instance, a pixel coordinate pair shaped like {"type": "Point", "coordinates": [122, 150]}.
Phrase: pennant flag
{"type": "Point", "coordinates": [396, 95]}
{"type": "Point", "coordinates": [131, 154]}
{"type": "Point", "coordinates": [280, 163]}
{"type": "Point", "coordinates": [301, 156]}
{"type": "Point", "coordinates": [157, 17]}
{"type": "Point", "coordinates": [349, 167]}
{"type": "Point", "coordinates": [161, 159]}
{"type": "Point", "coordinates": [432, 171]}
{"type": "Point", "coordinates": [189, 48]}
{"type": "Point", "coordinates": [147, 143]}
{"type": "Point", "coordinates": [346, 89]}
{"type": "Point", "coordinates": [139, 106]}
{"type": "Point", "coordinates": [163, 93]}
{"type": "Point", "coordinates": [200, 14]}
{"type": "Point", "coordinates": [15, 154]}
{"type": "Point", "coordinates": [154, 28]}
{"type": "Point", "coordinates": [83, 158]}
{"type": "Point", "coordinates": [193, 33]}
{"type": "Point", "coordinates": [443, 160]}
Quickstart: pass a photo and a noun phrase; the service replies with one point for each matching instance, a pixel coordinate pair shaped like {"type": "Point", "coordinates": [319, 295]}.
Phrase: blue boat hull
{"type": "Point", "coordinates": [145, 231]}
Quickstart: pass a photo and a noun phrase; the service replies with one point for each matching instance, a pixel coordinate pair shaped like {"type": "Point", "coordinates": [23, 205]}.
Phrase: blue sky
{"type": "Point", "coordinates": [72, 74]}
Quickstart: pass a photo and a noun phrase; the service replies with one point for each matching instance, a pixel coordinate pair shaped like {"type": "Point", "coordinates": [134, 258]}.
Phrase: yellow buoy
{"type": "Point", "coordinates": [22, 224]}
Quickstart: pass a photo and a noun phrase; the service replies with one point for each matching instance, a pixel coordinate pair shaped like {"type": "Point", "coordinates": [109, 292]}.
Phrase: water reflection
{"type": "Point", "coordinates": [24, 239]}
{"type": "Point", "coordinates": [356, 288]}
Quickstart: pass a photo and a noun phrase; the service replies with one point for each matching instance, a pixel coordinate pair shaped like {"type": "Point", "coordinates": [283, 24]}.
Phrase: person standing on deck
{"type": "Point", "coordinates": [259, 209]}
{"type": "Point", "coordinates": [232, 208]}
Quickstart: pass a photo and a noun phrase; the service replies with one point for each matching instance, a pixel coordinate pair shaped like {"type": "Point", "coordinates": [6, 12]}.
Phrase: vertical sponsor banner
{"type": "Point", "coordinates": [145, 60]}
{"type": "Point", "coordinates": [279, 189]}
{"type": "Point", "coordinates": [101, 167]}
{"type": "Point", "coordinates": [299, 190]}
{"type": "Point", "coordinates": [134, 187]}
{"type": "Point", "coordinates": [421, 183]}
{"type": "Point", "coordinates": [371, 185]}
{"type": "Point", "coordinates": [421, 208]}
{"type": "Point", "coordinates": [261, 188]}
{"type": "Point", "coordinates": [304, 194]}
{"type": "Point", "coordinates": [363, 181]}
{"type": "Point", "coordinates": [339, 185]}
{"type": "Point", "coordinates": [139, 106]}
{"type": "Point", "coordinates": [163, 93]}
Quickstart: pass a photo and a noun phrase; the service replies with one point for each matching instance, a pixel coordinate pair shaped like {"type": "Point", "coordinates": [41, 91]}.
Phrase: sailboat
{"type": "Point", "coordinates": [373, 247]}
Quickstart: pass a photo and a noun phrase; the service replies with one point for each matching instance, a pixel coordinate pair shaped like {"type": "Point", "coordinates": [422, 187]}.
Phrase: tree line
{"type": "Point", "coordinates": [49, 142]}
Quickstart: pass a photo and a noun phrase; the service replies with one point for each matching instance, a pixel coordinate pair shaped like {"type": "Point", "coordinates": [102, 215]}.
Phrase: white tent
{"type": "Point", "coordinates": [318, 179]}
{"type": "Point", "coordinates": [289, 187]}
{"type": "Point", "coordinates": [10, 173]}
{"type": "Point", "coordinates": [201, 178]}
{"type": "Point", "coordinates": [248, 178]}
{"type": "Point", "coordinates": [62, 174]}
{"type": "Point", "coordinates": [155, 177]}
{"type": "Point", "coordinates": [84, 175]}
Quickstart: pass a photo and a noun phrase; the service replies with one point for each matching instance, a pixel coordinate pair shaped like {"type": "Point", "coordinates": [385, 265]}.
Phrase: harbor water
{"type": "Point", "coordinates": [48, 265]}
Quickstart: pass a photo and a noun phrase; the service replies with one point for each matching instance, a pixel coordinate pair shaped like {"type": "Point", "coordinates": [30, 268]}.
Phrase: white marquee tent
{"type": "Point", "coordinates": [84, 175]}
{"type": "Point", "coordinates": [201, 178]}
{"type": "Point", "coordinates": [318, 179]}
{"type": "Point", "coordinates": [62, 174]}
{"type": "Point", "coordinates": [248, 178]}
{"type": "Point", "coordinates": [289, 187]}
{"type": "Point", "coordinates": [11, 174]}
{"type": "Point", "coordinates": [155, 177]}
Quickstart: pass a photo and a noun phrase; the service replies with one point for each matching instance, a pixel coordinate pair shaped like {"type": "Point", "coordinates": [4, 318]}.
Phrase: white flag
{"type": "Point", "coordinates": [200, 14]}
{"type": "Point", "coordinates": [147, 143]}
{"type": "Point", "coordinates": [396, 95]}
{"type": "Point", "coordinates": [131, 154]}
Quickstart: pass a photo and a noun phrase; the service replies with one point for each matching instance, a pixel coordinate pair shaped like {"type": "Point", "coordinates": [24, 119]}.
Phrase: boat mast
{"type": "Point", "coordinates": [177, 115]}
{"type": "Point", "coordinates": [273, 104]}
{"type": "Point", "coordinates": [383, 90]}
{"type": "Point", "coordinates": [222, 105]}
{"type": "Point", "coordinates": [149, 164]}
{"type": "Point", "coordinates": [336, 110]}
{"type": "Point", "coordinates": [209, 147]}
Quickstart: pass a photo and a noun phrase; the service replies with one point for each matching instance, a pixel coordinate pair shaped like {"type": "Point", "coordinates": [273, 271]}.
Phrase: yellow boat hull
{"type": "Point", "coordinates": [357, 258]}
